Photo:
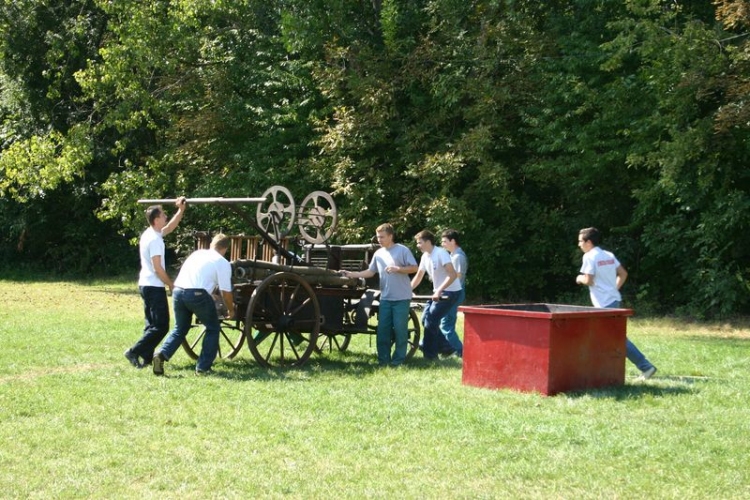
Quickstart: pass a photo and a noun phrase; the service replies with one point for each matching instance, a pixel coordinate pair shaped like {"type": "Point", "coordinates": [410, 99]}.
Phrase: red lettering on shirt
{"type": "Point", "coordinates": [606, 262]}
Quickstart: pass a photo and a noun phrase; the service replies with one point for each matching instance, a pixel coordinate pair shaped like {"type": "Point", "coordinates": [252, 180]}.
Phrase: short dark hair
{"type": "Point", "coordinates": [451, 234]}
{"type": "Point", "coordinates": [385, 227]}
{"type": "Point", "coordinates": [591, 234]}
{"type": "Point", "coordinates": [152, 213]}
{"type": "Point", "coordinates": [425, 235]}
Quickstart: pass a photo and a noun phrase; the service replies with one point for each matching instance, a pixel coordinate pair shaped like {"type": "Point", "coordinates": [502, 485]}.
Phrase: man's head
{"type": "Point", "coordinates": [156, 217]}
{"type": "Point", "coordinates": [449, 240]}
{"type": "Point", "coordinates": [588, 238]}
{"type": "Point", "coordinates": [425, 241]}
{"type": "Point", "coordinates": [384, 234]}
{"type": "Point", "coordinates": [221, 243]}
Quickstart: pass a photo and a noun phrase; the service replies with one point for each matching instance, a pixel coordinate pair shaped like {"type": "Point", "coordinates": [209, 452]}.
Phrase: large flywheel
{"type": "Point", "coordinates": [317, 217]}
{"type": "Point", "coordinates": [276, 214]}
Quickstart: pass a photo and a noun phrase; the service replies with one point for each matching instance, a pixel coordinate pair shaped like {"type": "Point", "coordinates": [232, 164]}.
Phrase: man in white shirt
{"type": "Point", "coordinates": [152, 281]}
{"type": "Point", "coordinates": [436, 263]}
{"type": "Point", "coordinates": [604, 275]}
{"type": "Point", "coordinates": [203, 271]}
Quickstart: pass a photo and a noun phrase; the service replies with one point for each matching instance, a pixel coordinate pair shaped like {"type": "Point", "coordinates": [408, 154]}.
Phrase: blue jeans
{"type": "Point", "coordinates": [156, 312]}
{"type": "Point", "coordinates": [448, 325]}
{"type": "Point", "coordinates": [433, 313]}
{"type": "Point", "coordinates": [393, 325]}
{"type": "Point", "coordinates": [187, 302]}
{"type": "Point", "coordinates": [631, 351]}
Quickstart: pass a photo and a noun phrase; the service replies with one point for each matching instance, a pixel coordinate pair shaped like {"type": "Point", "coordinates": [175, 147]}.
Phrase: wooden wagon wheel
{"type": "Point", "coordinates": [282, 321]}
{"type": "Point", "coordinates": [415, 332]}
{"type": "Point", "coordinates": [276, 216]}
{"type": "Point", "coordinates": [317, 217]}
{"type": "Point", "coordinates": [329, 342]}
{"type": "Point", "coordinates": [231, 338]}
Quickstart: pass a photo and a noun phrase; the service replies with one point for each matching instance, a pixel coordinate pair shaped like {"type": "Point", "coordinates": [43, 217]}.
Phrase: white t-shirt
{"type": "Point", "coordinates": [434, 264]}
{"type": "Point", "coordinates": [603, 266]}
{"type": "Point", "coordinates": [151, 244]}
{"type": "Point", "coordinates": [205, 269]}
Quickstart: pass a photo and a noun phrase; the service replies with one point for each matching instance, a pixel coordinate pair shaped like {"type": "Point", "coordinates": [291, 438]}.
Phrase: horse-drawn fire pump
{"type": "Point", "coordinates": [290, 299]}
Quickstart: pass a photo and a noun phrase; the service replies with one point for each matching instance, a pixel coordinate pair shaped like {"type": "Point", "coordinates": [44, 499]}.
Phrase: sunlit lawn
{"type": "Point", "coordinates": [77, 421]}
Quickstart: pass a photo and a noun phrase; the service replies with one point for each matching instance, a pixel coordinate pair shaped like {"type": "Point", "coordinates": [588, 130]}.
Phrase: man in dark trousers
{"type": "Point", "coordinates": [153, 280]}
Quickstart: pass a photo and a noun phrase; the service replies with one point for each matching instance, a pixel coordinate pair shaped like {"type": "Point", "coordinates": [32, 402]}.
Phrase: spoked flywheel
{"type": "Point", "coordinates": [276, 215]}
{"type": "Point", "coordinates": [317, 217]}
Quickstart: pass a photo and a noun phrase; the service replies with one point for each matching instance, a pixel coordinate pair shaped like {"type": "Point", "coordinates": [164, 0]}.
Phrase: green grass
{"type": "Point", "coordinates": [77, 421]}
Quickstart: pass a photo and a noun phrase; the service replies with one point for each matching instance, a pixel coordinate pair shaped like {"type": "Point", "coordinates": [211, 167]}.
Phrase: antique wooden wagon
{"type": "Point", "coordinates": [291, 300]}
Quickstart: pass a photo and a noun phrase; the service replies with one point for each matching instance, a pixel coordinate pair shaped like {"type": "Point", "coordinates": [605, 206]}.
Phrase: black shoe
{"type": "Point", "coordinates": [158, 364]}
{"type": "Point", "coordinates": [133, 359]}
{"type": "Point", "coordinates": [447, 354]}
{"type": "Point", "coordinates": [202, 373]}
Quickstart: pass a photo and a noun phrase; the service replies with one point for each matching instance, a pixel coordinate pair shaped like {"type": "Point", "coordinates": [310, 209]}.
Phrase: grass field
{"type": "Point", "coordinates": [76, 421]}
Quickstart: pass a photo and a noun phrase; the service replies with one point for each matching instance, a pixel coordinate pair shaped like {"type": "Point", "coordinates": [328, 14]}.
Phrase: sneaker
{"type": "Point", "coordinates": [202, 373]}
{"type": "Point", "coordinates": [647, 374]}
{"type": "Point", "coordinates": [133, 359]}
{"type": "Point", "coordinates": [158, 364]}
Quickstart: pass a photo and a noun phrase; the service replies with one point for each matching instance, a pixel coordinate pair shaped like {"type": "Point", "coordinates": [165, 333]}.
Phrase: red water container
{"type": "Point", "coordinates": [547, 348]}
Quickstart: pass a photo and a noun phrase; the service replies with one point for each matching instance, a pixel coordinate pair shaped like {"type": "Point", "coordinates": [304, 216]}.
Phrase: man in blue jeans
{"type": "Point", "coordinates": [604, 275]}
{"type": "Point", "coordinates": [446, 289]}
{"type": "Point", "coordinates": [449, 241]}
{"type": "Point", "coordinates": [393, 263]}
{"type": "Point", "coordinates": [202, 272]}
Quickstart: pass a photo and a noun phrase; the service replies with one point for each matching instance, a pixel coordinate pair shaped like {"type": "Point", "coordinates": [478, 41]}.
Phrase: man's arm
{"type": "Point", "coordinates": [402, 269]}
{"type": "Point", "coordinates": [417, 279]}
{"type": "Point", "coordinates": [585, 279]}
{"type": "Point", "coordinates": [175, 220]}
{"type": "Point", "coordinates": [367, 273]}
{"type": "Point", "coordinates": [622, 276]}
{"type": "Point", "coordinates": [446, 282]}
{"type": "Point", "coordinates": [160, 272]}
{"type": "Point", "coordinates": [229, 302]}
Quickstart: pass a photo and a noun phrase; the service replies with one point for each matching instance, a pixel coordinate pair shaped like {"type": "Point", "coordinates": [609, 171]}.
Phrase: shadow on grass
{"type": "Point", "coordinates": [122, 291]}
{"type": "Point", "coordinates": [348, 362]}
{"type": "Point", "coordinates": [729, 341]}
{"type": "Point", "coordinates": [661, 387]}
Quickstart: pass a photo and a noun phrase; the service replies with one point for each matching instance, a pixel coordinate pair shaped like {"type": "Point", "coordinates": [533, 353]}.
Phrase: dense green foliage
{"type": "Point", "coordinates": [516, 122]}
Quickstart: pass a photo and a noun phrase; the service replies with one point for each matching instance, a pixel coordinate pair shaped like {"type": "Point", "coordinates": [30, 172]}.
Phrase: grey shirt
{"type": "Point", "coordinates": [395, 286]}
{"type": "Point", "coordinates": [460, 264]}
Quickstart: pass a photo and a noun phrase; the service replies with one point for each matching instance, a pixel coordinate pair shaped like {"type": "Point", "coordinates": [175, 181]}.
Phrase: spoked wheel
{"type": "Point", "coordinates": [337, 341]}
{"type": "Point", "coordinates": [276, 214]}
{"type": "Point", "coordinates": [231, 338]}
{"type": "Point", "coordinates": [283, 321]}
{"type": "Point", "coordinates": [415, 332]}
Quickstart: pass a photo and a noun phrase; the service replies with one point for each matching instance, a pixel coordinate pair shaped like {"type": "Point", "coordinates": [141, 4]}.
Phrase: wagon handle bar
{"type": "Point", "coordinates": [231, 203]}
{"type": "Point", "coordinates": [428, 297]}
{"type": "Point", "coordinates": [217, 201]}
